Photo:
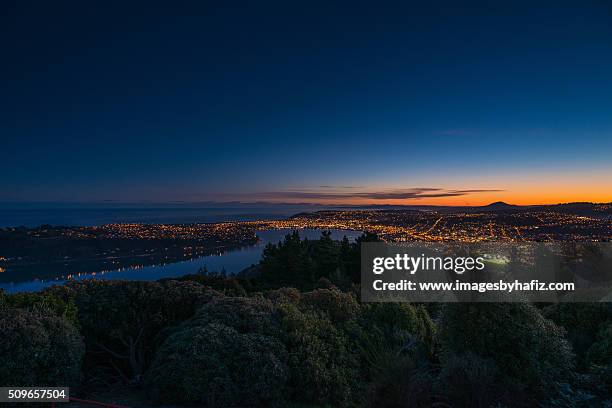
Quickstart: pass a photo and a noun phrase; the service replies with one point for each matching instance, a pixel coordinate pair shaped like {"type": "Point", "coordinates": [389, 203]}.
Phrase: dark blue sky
{"type": "Point", "coordinates": [203, 100]}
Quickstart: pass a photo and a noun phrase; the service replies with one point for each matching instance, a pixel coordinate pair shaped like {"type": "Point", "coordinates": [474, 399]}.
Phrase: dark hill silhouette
{"type": "Point", "coordinates": [498, 205]}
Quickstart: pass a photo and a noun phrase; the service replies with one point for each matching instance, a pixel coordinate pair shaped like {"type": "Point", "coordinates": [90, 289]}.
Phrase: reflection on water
{"type": "Point", "coordinates": [232, 261]}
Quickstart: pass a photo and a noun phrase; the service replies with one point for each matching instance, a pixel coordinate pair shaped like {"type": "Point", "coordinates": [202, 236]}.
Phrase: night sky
{"type": "Point", "coordinates": [324, 102]}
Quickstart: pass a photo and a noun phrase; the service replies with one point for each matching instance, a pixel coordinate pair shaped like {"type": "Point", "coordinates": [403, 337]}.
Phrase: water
{"type": "Point", "coordinates": [232, 261]}
{"type": "Point", "coordinates": [29, 216]}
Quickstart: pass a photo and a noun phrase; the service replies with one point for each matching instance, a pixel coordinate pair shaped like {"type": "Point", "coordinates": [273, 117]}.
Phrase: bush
{"type": "Point", "coordinates": [38, 349]}
{"type": "Point", "coordinates": [246, 315]}
{"type": "Point", "coordinates": [284, 295]}
{"type": "Point", "coordinates": [218, 366]}
{"type": "Point", "coordinates": [470, 381]}
{"type": "Point", "coordinates": [395, 343]}
{"type": "Point", "coordinates": [397, 325]}
{"type": "Point", "coordinates": [228, 354]}
{"type": "Point", "coordinates": [600, 353]}
{"type": "Point", "coordinates": [339, 306]}
{"type": "Point", "coordinates": [44, 302]}
{"type": "Point", "coordinates": [582, 322]}
{"type": "Point", "coordinates": [403, 384]}
{"type": "Point", "coordinates": [120, 319]}
{"type": "Point", "coordinates": [219, 281]}
{"type": "Point", "coordinates": [602, 377]}
{"type": "Point", "coordinates": [324, 369]}
{"type": "Point", "coordinates": [529, 350]}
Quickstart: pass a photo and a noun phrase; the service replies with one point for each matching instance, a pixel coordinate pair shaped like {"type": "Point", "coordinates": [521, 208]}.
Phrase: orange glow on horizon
{"type": "Point", "coordinates": [533, 193]}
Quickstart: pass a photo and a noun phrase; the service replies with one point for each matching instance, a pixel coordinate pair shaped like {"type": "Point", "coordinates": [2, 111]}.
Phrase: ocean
{"type": "Point", "coordinates": [84, 216]}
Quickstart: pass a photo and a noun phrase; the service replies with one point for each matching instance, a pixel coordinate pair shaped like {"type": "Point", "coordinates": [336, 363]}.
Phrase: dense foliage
{"type": "Point", "coordinates": [583, 321]}
{"type": "Point", "coordinates": [228, 354]}
{"type": "Point", "coordinates": [302, 263]}
{"type": "Point", "coordinates": [38, 349]}
{"type": "Point", "coordinates": [323, 367]}
{"type": "Point", "coordinates": [120, 320]}
{"type": "Point", "coordinates": [528, 352]}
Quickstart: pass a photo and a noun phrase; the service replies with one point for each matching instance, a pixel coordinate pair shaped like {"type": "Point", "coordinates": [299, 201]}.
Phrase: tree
{"type": "Point", "coordinates": [529, 351]}
{"type": "Point", "coordinates": [121, 319]}
{"type": "Point", "coordinates": [582, 321]}
{"type": "Point", "coordinates": [324, 369]}
{"type": "Point", "coordinates": [228, 354]}
{"type": "Point", "coordinates": [38, 349]}
{"type": "Point", "coordinates": [395, 343]}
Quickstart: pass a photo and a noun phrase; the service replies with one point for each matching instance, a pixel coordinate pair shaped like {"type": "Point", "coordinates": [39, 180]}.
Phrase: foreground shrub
{"type": "Point", "coordinates": [43, 302]}
{"type": "Point", "coordinates": [324, 369]}
{"type": "Point", "coordinates": [398, 323]}
{"type": "Point", "coordinates": [529, 351]}
{"type": "Point", "coordinates": [395, 343]}
{"type": "Point", "coordinates": [121, 319]}
{"type": "Point", "coordinates": [338, 305]}
{"type": "Point", "coordinates": [38, 349]}
{"type": "Point", "coordinates": [599, 359]}
{"type": "Point", "coordinates": [283, 296]}
{"type": "Point", "coordinates": [601, 376]}
{"type": "Point", "coordinates": [229, 354]}
{"type": "Point", "coordinates": [218, 366]}
{"type": "Point", "coordinates": [219, 281]}
{"type": "Point", "coordinates": [582, 322]}
{"type": "Point", "coordinates": [469, 380]}
{"type": "Point", "coordinates": [600, 353]}
{"type": "Point", "coordinates": [246, 315]}
{"type": "Point", "coordinates": [589, 328]}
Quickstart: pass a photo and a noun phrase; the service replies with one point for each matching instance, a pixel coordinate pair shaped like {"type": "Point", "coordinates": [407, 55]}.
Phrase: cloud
{"type": "Point", "coordinates": [341, 187]}
{"type": "Point", "coordinates": [477, 191]}
{"type": "Point", "coordinates": [391, 194]}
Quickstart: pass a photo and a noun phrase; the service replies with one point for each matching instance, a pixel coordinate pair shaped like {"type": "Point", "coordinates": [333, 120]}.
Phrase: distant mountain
{"type": "Point", "coordinates": [497, 206]}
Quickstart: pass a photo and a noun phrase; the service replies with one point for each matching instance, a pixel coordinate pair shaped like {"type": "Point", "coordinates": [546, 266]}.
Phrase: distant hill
{"type": "Point", "coordinates": [497, 206]}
